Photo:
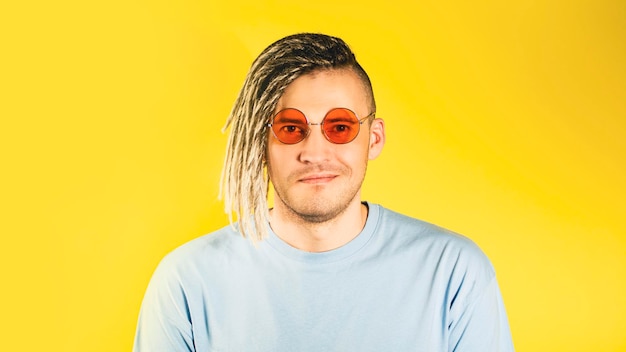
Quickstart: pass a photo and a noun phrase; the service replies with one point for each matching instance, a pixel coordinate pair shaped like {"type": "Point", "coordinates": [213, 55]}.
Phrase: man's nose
{"type": "Point", "coordinates": [315, 147]}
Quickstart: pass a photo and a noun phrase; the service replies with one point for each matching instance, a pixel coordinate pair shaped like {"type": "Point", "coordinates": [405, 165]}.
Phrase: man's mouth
{"type": "Point", "coordinates": [317, 178]}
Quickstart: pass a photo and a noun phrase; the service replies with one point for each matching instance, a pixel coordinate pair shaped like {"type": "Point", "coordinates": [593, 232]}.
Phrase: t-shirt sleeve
{"type": "Point", "coordinates": [477, 319]}
{"type": "Point", "coordinates": [482, 325]}
{"type": "Point", "coordinates": [164, 320]}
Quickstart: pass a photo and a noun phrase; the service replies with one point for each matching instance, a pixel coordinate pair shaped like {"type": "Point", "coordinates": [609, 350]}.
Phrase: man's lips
{"type": "Point", "coordinates": [317, 178]}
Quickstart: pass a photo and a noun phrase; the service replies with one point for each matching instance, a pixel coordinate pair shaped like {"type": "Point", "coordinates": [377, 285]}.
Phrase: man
{"type": "Point", "coordinates": [324, 271]}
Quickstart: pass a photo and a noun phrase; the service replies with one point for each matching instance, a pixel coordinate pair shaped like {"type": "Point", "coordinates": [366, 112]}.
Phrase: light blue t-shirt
{"type": "Point", "coordinates": [400, 285]}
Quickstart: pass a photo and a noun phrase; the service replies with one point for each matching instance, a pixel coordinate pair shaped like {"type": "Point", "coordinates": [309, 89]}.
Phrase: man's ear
{"type": "Point", "coordinates": [377, 138]}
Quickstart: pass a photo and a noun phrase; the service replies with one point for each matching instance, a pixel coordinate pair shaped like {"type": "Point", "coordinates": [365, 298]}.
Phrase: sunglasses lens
{"type": "Point", "coordinates": [290, 126]}
{"type": "Point", "coordinates": [341, 126]}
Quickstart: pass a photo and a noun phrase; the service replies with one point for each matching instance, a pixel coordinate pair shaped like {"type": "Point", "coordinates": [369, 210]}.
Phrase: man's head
{"type": "Point", "coordinates": [244, 178]}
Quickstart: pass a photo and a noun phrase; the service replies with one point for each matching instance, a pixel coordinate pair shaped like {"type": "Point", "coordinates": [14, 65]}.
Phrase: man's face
{"type": "Point", "coordinates": [315, 179]}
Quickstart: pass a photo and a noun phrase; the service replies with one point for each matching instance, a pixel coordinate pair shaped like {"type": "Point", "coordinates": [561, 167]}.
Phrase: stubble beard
{"type": "Point", "coordinates": [318, 209]}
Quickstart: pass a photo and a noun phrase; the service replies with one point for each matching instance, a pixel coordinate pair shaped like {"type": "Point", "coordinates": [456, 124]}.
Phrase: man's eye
{"type": "Point", "coordinates": [339, 128]}
{"type": "Point", "coordinates": [291, 129]}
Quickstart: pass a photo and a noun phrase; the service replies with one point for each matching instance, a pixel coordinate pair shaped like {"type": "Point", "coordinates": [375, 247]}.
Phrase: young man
{"type": "Point", "coordinates": [324, 271]}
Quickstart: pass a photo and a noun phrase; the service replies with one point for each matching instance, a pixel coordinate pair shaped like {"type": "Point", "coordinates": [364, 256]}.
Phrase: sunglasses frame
{"type": "Point", "coordinates": [308, 130]}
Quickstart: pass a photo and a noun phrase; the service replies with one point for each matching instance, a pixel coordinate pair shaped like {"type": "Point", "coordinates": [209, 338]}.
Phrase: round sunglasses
{"type": "Point", "coordinates": [339, 126]}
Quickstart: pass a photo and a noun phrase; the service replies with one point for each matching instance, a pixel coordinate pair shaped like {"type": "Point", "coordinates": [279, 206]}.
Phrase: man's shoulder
{"type": "Point", "coordinates": [205, 249]}
{"type": "Point", "coordinates": [429, 239]}
{"type": "Point", "coordinates": [412, 227]}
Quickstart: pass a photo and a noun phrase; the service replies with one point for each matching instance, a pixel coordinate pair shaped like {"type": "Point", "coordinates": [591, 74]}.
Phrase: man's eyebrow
{"type": "Point", "coordinates": [287, 119]}
{"type": "Point", "coordinates": [338, 119]}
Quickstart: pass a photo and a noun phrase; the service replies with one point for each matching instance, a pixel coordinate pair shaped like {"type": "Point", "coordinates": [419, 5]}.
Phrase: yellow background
{"type": "Point", "coordinates": [506, 121]}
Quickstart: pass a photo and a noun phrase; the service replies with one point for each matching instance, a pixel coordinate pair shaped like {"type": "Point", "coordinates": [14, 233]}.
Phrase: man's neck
{"type": "Point", "coordinates": [314, 236]}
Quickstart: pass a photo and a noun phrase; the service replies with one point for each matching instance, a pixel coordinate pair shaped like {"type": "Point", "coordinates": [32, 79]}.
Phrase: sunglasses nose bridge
{"type": "Point", "coordinates": [321, 124]}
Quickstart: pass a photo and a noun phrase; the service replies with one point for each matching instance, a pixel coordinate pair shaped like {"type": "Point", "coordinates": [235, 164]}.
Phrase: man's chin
{"type": "Point", "coordinates": [316, 218]}
{"type": "Point", "coordinates": [318, 211]}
